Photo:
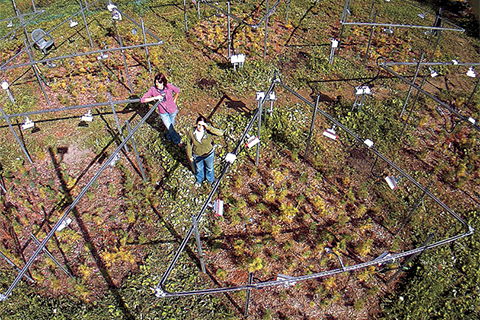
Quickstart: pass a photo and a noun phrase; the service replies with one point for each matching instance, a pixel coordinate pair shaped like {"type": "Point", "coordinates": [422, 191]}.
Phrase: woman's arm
{"type": "Point", "coordinates": [149, 96]}
{"type": "Point", "coordinates": [174, 89]}
{"type": "Point", "coordinates": [189, 147]}
{"type": "Point", "coordinates": [214, 131]}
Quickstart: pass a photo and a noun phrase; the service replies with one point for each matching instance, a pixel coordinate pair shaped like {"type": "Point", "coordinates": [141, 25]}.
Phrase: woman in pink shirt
{"type": "Point", "coordinates": [163, 91]}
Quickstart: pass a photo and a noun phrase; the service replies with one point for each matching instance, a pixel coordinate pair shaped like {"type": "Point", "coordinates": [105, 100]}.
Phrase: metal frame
{"type": "Point", "coordinates": [269, 11]}
{"type": "Point", "coordinates": [463, 118]}
{"type": "Point", "coordinates": [160, 290]}
{"type": "Point", "coordinates": [33, 63]}
{"type": "Point", "coordinates": [435, 29]}
{"type": "Point", "coordinates": [69, 209]}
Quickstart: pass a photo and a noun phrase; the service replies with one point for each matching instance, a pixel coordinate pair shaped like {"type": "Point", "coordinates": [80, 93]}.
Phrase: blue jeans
{"type": "Point", "coordinates": [204, 168]}
{"type": "Point", "coordinates": [169, 122]}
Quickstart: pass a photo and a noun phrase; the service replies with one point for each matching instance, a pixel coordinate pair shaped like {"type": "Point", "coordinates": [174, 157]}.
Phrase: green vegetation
{"type": "Point", "coordinates": [279, 216]}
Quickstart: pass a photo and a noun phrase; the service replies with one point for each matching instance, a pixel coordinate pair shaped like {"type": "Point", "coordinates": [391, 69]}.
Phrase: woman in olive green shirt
{"type": "Point", "coordinates": [200, 149]}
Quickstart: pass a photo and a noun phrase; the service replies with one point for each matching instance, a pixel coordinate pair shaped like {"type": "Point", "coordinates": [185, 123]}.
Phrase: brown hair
{"type": "Point", "coordinates": [160, 78]}
{"type": "Point", "coordinates": [201, 118]}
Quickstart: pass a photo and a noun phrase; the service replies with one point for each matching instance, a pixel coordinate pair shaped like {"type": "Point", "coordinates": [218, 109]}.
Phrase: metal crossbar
{"type": "Point", "coordinates": [160, 290]}
{"type": "Point", "coordinates": [73, 205]}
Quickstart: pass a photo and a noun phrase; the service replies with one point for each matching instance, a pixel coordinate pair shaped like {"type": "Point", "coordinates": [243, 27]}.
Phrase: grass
{"type": "Point", "coordinates": [287, 128]}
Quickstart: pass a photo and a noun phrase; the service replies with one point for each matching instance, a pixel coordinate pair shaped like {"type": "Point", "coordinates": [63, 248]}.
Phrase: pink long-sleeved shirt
{"type": "Point", "coordinates": [169, 105]}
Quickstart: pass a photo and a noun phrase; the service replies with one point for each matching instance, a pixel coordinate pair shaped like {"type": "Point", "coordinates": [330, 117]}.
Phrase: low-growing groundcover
{"type": "Point", "coordinates": [279, 216]}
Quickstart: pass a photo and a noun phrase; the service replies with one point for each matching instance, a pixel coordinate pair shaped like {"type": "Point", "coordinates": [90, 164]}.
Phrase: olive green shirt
{"type": "Point", "coordinates": [205, 146]}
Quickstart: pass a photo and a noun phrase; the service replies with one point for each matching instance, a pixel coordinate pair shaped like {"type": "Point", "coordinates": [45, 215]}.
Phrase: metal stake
{"type": "Point", "coordinates": [36, 72]}
{"type": "Point", "coordinates": [265, 46]}
{"type": "Point", "coordinates": [85, 21]}
{"type": "Point", "coordinates": [3, 188]}
{"type": "Point", "coordinates": [229, 32]}
{"type": "Point", "coordinates": [260, 104]}
{"type": "Point", "coordinates": [10, 262]}
{"type": "Point", "coordinates": [370, 38]}
{"type": "Point", "coordinates": [473, 92]}
{"type": "Point", "coordinates": [16, 136]}
{"type": "Point", "coordinates": [140, 166]}
{"type": "Point", "coordinates": [146, 48]}
{"type": "Point", "coordinates": [413, 81]}
{"type": "Point", "coordinates": [126, 66]}
{"type": "Point", "coordinates": [288, 9]}
{"type": "Point", "coordinates": [247, 300]}
{"type": "Point", "coordinates": [413, 209]}
{"type": "Point", "coordinates": [199, 245]}
{"type": "Point", "coordinates": [51, 256]}
{"type": "Point", "coordinates": [119, 127]}
{"type": "Point", "coordinates": [311, 126]}
{"type": "Point", "coordinates": [410, 259]}
{"type": "Point", "coordinates": [413, 106]}
{"type": "Point", "coordinates": [185, 14]}
{"type": "Point", "coordinates": [342, 19]}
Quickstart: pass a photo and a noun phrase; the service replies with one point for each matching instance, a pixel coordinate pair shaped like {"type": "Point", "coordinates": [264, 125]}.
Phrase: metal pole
{"type": "Point", "coordinates": [199, 244]}
{"type": "Point", "coordinates": [126, 66]}
{"type": "Point", "coordinates": [427, 63]}
{"type": "Point", "coordinates": [397, 25]}
{"type": "Point", "coordinates": [185, 14]}
{"type": "Point", "coordinates": [413, 106]}
{"type": "Point", "coordinates": [430, 237]}
{"type": "Point", "coordinates": [79, 54]}
{"type": "Point", "coordinates": [198, 9]}
{"type": "Point", "coordinates": [50, 31]}
{"type": "Point", "coordinates": [10, 262]}
{"type": "Point", "coordinates": [51, 256]}
{"type": "Point", "coordinates": [27, 46]}
{"type": "Point", "coordinates": [86, 106]}
{"type": "Point", "coordinates": [73, 204]}
{"type": "Point", "coordinates": [85, 21]}
{"type": "Point", "coordinates": [260, 104]}
{"type": "Point", "coordinates": [138, 25]}
{"type": "Point", "coordinates": [146, 48]}
{"type": "Point", "coordinates": [229, 32]}
{"type": "Point", "coordinates": [332, 53]}
{"type": "Point", "coordinates": [449, 108]}
{"type": "Point", "coordinates": [265, 46]}
{"type": "Point", "coordinates": [19, 14]}
{"type": "Point", "coordinates": [473, 92]}
{"type": "Point", "coordinates": [140, 166]}
{"type": "Point", "coordinates": [288, 9]}
{"type": "Point", "coordinates": [311, 126]}
{"type": "Point", "coordinates": [413, 210]}
{"type": "Point", "coordinates": [413, 81]}
{"type": "Point", "coordinates": [329, 250]}
{"type": "Point", "coordinates": [3, 188]}
{"type": "Point", "coordinates": [119, 127]}
{"type": "Point", "coordinates": [36, 72]}
{"type": "Point", "coordinates": [185, 240]}
{"type": "Point", "coordinates": [16, 136]}
{"type": "Point", "coordinates": [249, 291]}
{"type": "Point", "coordinates": [344, 15]}
{"type": "Point", "coordinates": [370, 38]}
{"type": "Point", "coordinates": [439, 34]}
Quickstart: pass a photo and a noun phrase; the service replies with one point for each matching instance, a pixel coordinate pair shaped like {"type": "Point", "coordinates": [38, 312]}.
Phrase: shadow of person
{"type": "Point", "coordinates": [142, 109]}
